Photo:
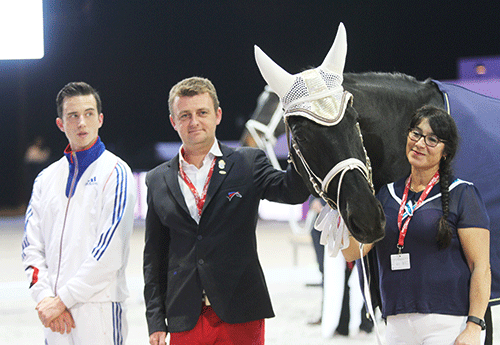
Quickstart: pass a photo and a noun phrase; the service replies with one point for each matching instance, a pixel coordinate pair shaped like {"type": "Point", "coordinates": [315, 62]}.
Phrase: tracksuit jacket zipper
{"type": "Point", "coordinates": [71, 190]}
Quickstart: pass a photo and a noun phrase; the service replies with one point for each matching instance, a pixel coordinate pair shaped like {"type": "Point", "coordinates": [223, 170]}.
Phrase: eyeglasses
{"type": "Point", "coordinates": [430, 140]}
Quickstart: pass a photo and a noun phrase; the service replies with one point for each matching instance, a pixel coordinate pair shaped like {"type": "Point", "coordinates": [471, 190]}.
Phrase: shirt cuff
{"type": "Point", "coordinates": [39, 296]}
{"type": "Point", "coordinates": [66, 297]}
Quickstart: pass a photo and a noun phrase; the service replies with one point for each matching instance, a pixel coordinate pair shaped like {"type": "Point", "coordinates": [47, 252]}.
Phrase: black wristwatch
{"type": "Point", "coordinates": [477, 321]}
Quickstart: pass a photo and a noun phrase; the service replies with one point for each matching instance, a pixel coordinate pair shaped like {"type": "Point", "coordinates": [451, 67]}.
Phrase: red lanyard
{"type": "Point", "coordinates": [200, 200]}
{"type": "Point", "coordinates": [403, 228]}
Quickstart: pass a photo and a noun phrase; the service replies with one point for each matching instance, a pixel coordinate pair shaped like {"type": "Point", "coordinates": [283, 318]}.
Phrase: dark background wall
{"type": "Point", "coordinates": [134, 51]}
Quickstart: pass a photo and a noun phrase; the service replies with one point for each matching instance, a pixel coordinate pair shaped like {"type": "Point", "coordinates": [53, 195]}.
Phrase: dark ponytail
{"type": "Point", "coordinates": [444, 234]}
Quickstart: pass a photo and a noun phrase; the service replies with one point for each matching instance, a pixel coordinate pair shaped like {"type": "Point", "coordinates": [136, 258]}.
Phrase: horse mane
{"type": "Point", "coordinates": [394, 92]}
{"type": "Point", "coordinates": [376, 80]}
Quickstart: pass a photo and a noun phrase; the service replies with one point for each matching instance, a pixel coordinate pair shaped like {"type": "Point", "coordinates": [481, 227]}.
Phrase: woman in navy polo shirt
{"type": "Point", "coordinates": [434, 271]}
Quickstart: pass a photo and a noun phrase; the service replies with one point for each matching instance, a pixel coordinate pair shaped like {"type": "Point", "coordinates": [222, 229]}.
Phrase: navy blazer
{"type": "Point", "coordinates": [218, 255]}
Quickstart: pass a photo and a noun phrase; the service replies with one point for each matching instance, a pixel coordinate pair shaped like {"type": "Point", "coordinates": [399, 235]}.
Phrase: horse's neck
{"type": "Point", "coordinates": [385, 103]}
{"type": "Point", "coordinates": [395, 91]}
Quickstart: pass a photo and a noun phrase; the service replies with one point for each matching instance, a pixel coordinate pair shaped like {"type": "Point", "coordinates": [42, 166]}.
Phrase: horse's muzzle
{"type": "Point", "coordinates": [366, 224]}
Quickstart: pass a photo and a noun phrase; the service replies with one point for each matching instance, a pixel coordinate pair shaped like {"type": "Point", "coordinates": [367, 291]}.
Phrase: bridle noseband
{"type": "Point", "coordinates": [321, 185]}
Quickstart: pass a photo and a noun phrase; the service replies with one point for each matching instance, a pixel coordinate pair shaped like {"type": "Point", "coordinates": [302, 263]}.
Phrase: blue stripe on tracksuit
{"type": "Point", "coordinates": [29, 214]}
{"type": "Point", "coordinates": [117, 323]}
{"type": "Point", "coordinates": [25, 242]}
{"type": "Point", "coordinates": [118, 211]}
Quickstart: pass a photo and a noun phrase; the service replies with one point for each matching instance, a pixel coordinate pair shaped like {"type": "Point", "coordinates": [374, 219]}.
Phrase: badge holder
{"type": "Point", "coordinates": [400, 261]}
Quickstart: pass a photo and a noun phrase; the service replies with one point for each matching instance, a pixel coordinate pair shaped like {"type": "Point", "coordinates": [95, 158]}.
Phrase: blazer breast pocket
{"type": "Point", "coordinates": [235, 190]}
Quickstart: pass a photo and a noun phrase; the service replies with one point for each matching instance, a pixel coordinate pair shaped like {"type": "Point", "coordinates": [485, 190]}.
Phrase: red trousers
{"type": "Point", "coordinates": [211, 330]}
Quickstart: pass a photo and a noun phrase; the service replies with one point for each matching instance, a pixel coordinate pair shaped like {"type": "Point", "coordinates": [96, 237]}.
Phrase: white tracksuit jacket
{"type": "Point", "coordinates": [78, 247]}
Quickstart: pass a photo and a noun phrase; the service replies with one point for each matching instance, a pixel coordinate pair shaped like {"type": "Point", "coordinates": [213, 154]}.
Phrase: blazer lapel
{"type": "Point", "coordinates": [172, 181]}
{"type": "Point", "coordinates": [222, 169]}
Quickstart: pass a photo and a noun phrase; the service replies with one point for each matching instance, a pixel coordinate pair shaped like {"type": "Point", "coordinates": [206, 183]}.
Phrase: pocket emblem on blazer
{"type": "Point", "coordinates": [231, 195]}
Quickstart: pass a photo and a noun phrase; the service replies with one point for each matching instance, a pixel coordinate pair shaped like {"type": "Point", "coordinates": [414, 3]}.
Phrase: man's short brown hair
{"type": "Point", "coordinates": [191, 87]}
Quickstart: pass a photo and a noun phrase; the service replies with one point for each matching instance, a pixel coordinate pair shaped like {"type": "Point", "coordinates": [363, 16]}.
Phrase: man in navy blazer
{"type": "Point", "coordinates": [201, 269]}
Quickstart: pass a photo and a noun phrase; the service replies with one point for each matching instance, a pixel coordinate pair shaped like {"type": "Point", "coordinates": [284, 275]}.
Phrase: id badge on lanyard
{"type": "Point", "coordinates": [401, 261]}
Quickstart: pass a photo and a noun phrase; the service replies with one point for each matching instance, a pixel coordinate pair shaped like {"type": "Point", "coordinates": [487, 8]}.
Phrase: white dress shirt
{"type": "Point", "coordinates": [197, 176]}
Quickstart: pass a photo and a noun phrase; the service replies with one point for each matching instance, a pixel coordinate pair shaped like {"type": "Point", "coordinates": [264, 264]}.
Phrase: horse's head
{"type": "Point", "coordinates": [326, 143]}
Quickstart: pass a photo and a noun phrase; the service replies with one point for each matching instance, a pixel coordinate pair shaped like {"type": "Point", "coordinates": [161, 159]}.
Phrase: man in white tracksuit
{"type": "Point", "coordinates": [77, 230]}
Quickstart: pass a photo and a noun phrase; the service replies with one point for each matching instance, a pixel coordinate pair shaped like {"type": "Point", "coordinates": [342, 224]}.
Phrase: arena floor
{"type": "Point", "coordinates": [287, 276]}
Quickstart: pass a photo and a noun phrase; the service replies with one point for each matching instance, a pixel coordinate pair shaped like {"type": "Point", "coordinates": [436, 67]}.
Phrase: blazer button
{"type": "Point", "coordinates": [201, 261]}
{"type": "Point", "coordinates": [199, 237]}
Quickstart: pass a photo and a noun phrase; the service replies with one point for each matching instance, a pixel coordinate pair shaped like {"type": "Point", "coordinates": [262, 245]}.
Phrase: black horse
{"type": "Point", "coordinates": [382, 104]}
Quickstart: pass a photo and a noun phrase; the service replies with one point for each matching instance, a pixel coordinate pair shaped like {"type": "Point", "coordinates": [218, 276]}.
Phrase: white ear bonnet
{"type": "Point", "coordinates": [316, 94]}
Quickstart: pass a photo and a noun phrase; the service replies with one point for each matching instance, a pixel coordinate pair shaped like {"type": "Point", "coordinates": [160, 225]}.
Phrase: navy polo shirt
{"type": "Point", "coordinates": [438, 280]}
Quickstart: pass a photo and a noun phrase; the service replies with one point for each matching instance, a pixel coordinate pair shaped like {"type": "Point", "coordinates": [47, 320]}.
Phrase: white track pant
{"type": "Point", "coordinates": [425, 329]}
{"type": "Point", "coordinates": [96, 323]}
{"type": "Point", "coordinates": [333, 294]}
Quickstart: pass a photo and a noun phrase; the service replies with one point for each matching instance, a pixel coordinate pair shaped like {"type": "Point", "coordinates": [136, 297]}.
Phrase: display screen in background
{"type": "Point", "coordinates": [21, 29]}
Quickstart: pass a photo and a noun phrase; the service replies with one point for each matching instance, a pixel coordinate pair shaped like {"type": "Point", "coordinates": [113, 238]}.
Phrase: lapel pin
{"type": "Point", "coordinates": [222, 165]}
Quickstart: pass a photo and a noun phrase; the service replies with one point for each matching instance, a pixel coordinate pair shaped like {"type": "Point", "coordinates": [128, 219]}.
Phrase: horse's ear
{"type": "Point", "coordinates": [335, 59]}
{"type": "Point", "coordinates": [278, 79]}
